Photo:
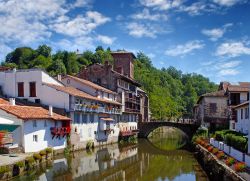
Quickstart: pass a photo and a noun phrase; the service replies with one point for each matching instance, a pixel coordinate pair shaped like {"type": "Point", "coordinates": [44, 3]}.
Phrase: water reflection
{"type": "Point", "coordinates": [141, 162]}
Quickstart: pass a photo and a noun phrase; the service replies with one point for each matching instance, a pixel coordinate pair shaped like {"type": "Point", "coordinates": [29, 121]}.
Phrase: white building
{"type": "Point", "coordinates": [94, 117]}
{"type": "Point", "coordinates": [242, 121]}
{"type": "Point", "coordinates": [33, 128]}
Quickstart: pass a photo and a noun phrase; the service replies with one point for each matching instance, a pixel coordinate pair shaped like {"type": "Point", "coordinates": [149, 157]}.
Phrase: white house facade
{"type": "Point", "coordinates": [35, 128]}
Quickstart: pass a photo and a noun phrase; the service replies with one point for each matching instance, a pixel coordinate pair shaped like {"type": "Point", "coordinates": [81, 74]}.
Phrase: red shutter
{"type": "Point", "coordinates": [32, 89]}
{"type": "Point", "coordinates": [20, 86]}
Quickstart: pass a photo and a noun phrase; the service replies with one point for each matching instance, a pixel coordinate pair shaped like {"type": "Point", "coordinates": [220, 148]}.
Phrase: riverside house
{"type": "Point", "coordinates": [241, 123]}
{"type": "Point", "coordinates": [120, 79]}
{"type": "Point", "coordinates": [31, 129]}
{"type": "Point", "coordinates": [93, 117]}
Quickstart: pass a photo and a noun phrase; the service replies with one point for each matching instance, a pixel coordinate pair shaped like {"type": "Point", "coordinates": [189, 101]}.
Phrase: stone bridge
{"type": "Point", "coordinates": [189, 128]}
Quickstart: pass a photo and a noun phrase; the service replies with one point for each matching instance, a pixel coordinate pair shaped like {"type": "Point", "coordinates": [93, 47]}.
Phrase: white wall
{"type": "Point", "coordinates": [44, 136]}
{"type": "Point", "coordinates": [242, 125]}
{"type": "Point", "coordinates": [243, 97]}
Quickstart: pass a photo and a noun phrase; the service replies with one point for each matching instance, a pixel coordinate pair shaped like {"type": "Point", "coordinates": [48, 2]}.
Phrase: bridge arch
{"type": "Point", "coordinates": [145, 128]}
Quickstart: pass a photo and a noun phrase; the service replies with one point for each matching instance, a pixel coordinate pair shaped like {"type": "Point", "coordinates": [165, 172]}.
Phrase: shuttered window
{"type": "Point", "coordinates": [20, 89]}
{"type": "Point", "coordinates": [32, 89]}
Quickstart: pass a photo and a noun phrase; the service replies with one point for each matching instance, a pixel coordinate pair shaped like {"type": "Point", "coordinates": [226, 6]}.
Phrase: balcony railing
{"type": "Point", "coordinates": [128, 133]}
{"type": "Point", "coordinates": [60, 131]}
{"type": "Point", "coordinates": [96, 109]}
{"type": "Point", "coordinates": [133, 100]}
{"type": "Point", "coordinates": [132, 110]}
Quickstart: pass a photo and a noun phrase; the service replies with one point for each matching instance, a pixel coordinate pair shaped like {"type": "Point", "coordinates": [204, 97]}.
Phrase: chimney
{"type": "Point", "coordinates": [12, 101]}
{"type": "Point", "coordinates": [50, 110]}
{"type": "Point", "coordinates": [59, 77]}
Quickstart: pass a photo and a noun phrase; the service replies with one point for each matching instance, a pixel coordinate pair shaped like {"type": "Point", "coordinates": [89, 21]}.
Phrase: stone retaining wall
{"type": "Point", "coordinates": [216, 170]}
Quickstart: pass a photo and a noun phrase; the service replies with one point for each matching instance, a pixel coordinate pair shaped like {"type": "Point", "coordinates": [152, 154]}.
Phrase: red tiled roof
{"type": "Point", "coordinates": [77, 93]}
{"type": "Point", "coordinates": [3, 101]}
{"type": "Point", "coordinates": [29, 112]}
{"type": "Point", "coordinates": [91, 84]}
{"type": "Point", "coordinates": [238, 88]}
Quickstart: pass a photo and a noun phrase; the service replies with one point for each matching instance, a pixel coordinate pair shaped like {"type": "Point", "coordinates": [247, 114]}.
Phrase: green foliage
{"type": "Point", "coordinates": [37, 156]}
{"type": "Point", "coordinates": [20, 164]}
{"type": "Point", "coordinates": [42, 153]}
{"type": "Point", "coordinates": [172, 94]}
{"type": "Point", "coordinates": [48, 150]}
{"type": "Point", "coordinates": [4, 169]}
{"type": "Point", "coordinates": [30, 161]}
{"type": "Point", "coordinates": [90, 144]}
{"type": "Point", "coordinates": [237, 142]}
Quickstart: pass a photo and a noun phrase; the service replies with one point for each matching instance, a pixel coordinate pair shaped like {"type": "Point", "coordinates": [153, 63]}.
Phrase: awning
{"type": "Point", "coordinates": [107, 119]}
{"type": "Point", "coordinates": [9, 128]}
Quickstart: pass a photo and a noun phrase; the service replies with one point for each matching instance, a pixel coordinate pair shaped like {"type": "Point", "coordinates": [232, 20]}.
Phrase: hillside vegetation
{"type": "Point", "coordinates": [171, 93]}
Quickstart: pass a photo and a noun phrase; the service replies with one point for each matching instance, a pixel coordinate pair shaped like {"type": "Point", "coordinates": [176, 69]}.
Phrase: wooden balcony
{"type": "Point", "coordinates": [96, 109]}
{"type": "Point", "coordinates": [60, 131]}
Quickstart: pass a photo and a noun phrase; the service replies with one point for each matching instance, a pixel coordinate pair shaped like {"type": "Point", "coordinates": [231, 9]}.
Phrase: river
{"type": "Point", "coordinates": [159, 158]}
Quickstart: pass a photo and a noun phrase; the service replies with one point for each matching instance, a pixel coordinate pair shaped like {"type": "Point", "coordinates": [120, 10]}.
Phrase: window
{"type": "Point", "coordinates": [45, 123]}
{"type": "Point", "coordinates": [20, 89]}
{"type": "Point", "coordinates": [32, 89]}
{"type": "Point", "coordinates": [92, 118]}
{"type": "Point", "coordinates": [84, 118]}
{"type": "Point", "coordinates": [34, 123]}
{"type": "Point", "coordinates": [35, 138]}
{"type": "Point", "coordinates": [241, 113]}
{"type": "Point", "coordinates": [246, 113]}
{"type": "Point", "coordinates": [213, 107]}
{"type": "Point", "coordinates": [77, 118]}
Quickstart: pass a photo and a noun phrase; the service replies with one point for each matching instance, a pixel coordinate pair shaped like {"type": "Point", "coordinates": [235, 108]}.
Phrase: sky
{"type": "Point", "coordinates": [209, 37]}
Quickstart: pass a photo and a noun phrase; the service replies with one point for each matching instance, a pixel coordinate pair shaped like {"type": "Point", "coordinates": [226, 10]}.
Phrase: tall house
{"type": "Point", "coordinates": [120, 79]}
{"type": "Point", "coordinates": [124, 63]}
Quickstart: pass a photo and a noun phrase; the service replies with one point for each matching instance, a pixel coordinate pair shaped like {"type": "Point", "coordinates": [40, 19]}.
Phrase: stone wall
{"type": "Point", "coordinates": [215, 169]}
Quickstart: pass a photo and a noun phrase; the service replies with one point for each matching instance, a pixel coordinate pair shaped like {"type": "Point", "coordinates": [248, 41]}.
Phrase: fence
{"type": "Point", "coordinates": [231, 151]}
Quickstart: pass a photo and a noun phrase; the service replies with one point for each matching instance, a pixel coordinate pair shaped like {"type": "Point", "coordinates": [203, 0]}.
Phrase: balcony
{"type": "Point", "coordinates": [132, 110]}
{"type": "Point", "coordinates": [96, 109]}
{"type": "Point", "coordinates": [128, 133]}
{"type": "Point", "coordinates": [132, 100]}
{"type": "Point", "coordinates": [60, 131]}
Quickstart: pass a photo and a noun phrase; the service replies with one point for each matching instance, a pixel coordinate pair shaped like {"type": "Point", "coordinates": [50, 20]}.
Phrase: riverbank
{"type": "Point", "coordinates": [216, 169]}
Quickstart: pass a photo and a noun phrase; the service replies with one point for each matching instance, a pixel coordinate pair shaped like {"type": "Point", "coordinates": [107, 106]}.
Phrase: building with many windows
{"type": "Point", "coordinates": [93, 117]}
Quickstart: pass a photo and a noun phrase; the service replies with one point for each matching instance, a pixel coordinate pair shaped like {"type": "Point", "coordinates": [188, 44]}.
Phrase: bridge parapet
{"type": "Point", "coordinates": [189, 128]}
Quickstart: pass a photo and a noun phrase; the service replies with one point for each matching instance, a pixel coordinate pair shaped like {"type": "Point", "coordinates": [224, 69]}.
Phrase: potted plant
{"type": "Point", "coordinates": [43, 155]}
{"type": "Point", "coordinates": [49, 152]}
{"type": "Point", "coordinates": [4, 172]}
{"type": "Point", "coordinates": [37, 157]}
{"type": "Point", "coordinates": [240, 167]}
{"type": "Point", "coordinates": [29, 162]}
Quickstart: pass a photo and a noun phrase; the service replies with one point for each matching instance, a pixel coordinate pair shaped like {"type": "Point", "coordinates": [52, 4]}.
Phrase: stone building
{"type": "Point", "coordinates": [120, 79]}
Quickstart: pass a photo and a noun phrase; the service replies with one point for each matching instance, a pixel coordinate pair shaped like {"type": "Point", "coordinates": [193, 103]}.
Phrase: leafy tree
{"type": "Point", "coordinates": [57, 67]}
{"type": "Point", "coordinates": [44, 50]}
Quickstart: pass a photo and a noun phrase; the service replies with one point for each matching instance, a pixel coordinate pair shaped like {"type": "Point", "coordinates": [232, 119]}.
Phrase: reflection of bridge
{"type": "Point", "coordinates": [189, 128]}
{"type": "Point", "coordinates": [145, 146]}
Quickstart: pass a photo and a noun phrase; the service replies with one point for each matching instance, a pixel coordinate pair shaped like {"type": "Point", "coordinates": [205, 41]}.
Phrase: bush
{"type": "Point", "coordinates": [30, 161]}
{"type": "Point", "coordinates": [220, 155]}
{"type": "Point", "coordinates": [215, 150]}
{"type": "Point", "coordinates": [237, 142]}
{"type": "Point", "coordinates": [90, 144]}
{"type": "Point", "coordinates": [240, 167]}
{"type": "Point", "coordinates": [4, 169]}
{"type": "Point", "coordinates": [42, 153]}
{"type": "Point", "coordinates": [230, 161]}
{"type": "Point", "coordinates": [20, 164]}
{"type": "Point", "coordinates": [48, 150]}
{"type": "Point", "coordinates": [37, 156]}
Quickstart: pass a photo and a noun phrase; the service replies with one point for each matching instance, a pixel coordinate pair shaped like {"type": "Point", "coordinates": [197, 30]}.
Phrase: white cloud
{"type": "Point", "coordinates": [224, 72]}
{"type": "Point", "coordinates": [216, 33]}
{"type": "Point", "coordinates": [161, 4]}
{"type": "Point", "coordinates": [106, 39]}
{"type": "Point", "coordinates": [221, 68]}
{"type": "Point", "coordinates": [232, 49]}
{"type": "Point", "coordinates": [227, 2]}
{"type": "Point", "coordinates": [181, 50]}
{"type": "Point", "coordinates": [81, 3]}
{"type": "Point", "coordinates": [146, 15]}
{"type": "Point", "coordinates": [81, 25]}
{"type": "Point", "coordinates": [151, 55]}
{"type": "Point", "coordinates": [139, 30]}
{"type": "Point", "coordinates": [3, 49]}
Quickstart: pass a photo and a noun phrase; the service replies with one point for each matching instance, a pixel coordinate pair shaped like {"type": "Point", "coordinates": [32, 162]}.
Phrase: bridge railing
{"type": "Point", "coordinates": [181, 121]}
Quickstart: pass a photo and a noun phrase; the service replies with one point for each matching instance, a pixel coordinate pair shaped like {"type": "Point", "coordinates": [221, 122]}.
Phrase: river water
{"type": "Point", "coordinates": [155, 159]}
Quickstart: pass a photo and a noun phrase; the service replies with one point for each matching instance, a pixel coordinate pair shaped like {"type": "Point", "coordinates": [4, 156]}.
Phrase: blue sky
{"type": "Point", "coordinates": [209, 37]}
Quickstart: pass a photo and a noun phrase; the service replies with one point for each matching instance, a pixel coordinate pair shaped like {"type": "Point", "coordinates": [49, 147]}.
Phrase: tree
{"type": "Point", "coordinates": [44, 50]}
{"type": "Point", "coordinates": [57, 67]}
